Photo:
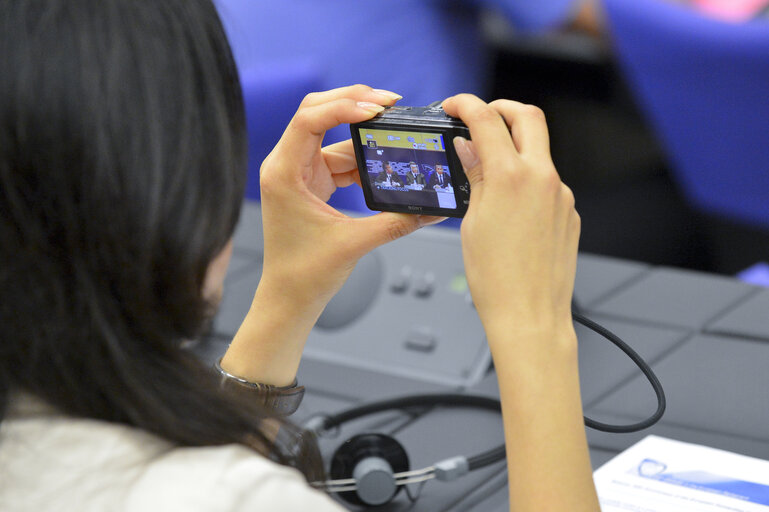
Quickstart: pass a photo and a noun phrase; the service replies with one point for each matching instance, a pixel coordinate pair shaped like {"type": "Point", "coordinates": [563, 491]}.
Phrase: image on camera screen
{"type": "Point", "coordinates": [408, 168]}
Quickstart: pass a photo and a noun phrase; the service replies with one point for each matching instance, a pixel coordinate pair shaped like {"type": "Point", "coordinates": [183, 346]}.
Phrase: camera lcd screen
{"type": "Point", "coordinates": [408, 168]}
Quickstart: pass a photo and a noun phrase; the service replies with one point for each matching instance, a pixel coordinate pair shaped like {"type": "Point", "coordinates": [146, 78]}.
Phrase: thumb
{"type": "Point", "coordinates": [470, 161]}
{"type": "Point", "coordinates": [376, 230]}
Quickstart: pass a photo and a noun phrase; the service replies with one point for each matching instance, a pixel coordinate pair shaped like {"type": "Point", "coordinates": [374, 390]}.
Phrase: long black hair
{"type": "Point", "coordinates": [122, 169]}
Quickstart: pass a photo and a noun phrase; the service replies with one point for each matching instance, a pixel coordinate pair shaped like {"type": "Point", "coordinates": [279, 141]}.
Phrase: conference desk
{"type": "Point", "coordinates": [706, 336]}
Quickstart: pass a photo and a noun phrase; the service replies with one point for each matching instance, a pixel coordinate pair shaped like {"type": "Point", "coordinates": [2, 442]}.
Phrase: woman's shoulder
{"type": "Point", "coordinates": [230, 477]}
{"type": "Point", "coordinates": [50, 460]}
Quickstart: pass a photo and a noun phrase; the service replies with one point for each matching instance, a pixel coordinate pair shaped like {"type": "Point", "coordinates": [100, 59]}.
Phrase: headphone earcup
{"type": "Point", "coordinates": [367, 448]}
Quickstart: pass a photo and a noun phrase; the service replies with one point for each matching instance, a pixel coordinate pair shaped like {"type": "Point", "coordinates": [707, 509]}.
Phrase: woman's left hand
{"type": "Point", "coordinates": [309, 247]}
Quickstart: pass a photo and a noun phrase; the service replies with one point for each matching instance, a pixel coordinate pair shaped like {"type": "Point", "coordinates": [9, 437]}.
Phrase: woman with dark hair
{"type": "Point", "coordinates": [122, 165]}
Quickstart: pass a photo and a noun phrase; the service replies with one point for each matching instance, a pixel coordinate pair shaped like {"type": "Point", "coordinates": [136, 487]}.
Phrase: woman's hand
{"type": "Point", "coordinates": [519, 241]}
{"type": "Point", "coordinates": [309, 247]}
{"type": "Point", "coordinates": [520, 233]}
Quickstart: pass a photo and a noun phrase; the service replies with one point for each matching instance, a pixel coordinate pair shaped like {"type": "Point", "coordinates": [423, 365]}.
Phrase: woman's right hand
{"type": "Point", "coordinates": [520, 233]}
{"type": "Point", "coordinates": [519, 241]}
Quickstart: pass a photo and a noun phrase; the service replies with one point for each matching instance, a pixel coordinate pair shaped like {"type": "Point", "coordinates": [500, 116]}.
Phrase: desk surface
{"type": "Point", "coordinates": [706, 336]}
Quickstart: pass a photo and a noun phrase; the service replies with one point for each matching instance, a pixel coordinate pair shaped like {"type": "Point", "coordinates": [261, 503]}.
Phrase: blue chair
{"type": "Point", "coordinates": [425, 50]}
{"type": "Point", "coordinates": [757, 274]}
{"type": "Point", "coordinates": [702, 85]}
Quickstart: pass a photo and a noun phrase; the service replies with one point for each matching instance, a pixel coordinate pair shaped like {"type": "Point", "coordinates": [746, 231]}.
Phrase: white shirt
{"type": "Point", "coordinates": [50, 462]}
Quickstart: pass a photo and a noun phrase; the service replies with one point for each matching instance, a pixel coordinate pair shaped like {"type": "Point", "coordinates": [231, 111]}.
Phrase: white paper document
{"type": "Point", "coordinates": [663, 475]}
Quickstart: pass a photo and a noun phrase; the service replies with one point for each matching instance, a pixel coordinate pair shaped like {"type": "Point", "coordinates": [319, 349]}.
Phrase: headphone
{"type": "Point", "coordinates": [371, 469]}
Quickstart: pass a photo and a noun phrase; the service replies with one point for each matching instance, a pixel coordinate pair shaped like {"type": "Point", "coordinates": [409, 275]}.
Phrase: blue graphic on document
{"type": "Point", "coordinates": [706, 482]}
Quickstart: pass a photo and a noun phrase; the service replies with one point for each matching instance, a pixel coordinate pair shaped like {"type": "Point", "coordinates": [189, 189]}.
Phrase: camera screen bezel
{"type": "Point", "coordinates": [456, 171]}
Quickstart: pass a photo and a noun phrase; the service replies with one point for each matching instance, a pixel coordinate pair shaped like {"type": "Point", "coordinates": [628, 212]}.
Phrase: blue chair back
{"type": "Point", "coordinates": [703, 85]}
{"type": "Point", "coordinates": [271, 94]}
{"type": "Point", "coordinates": [424, 50]}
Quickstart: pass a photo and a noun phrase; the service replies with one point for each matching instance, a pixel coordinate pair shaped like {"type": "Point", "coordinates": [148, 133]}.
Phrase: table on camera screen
{"type": "Point", "coordinates": [426, 197]}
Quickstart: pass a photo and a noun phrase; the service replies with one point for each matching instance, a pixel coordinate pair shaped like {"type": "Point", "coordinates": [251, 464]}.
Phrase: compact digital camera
{"type": "Point", "coordinates": [408, 164]}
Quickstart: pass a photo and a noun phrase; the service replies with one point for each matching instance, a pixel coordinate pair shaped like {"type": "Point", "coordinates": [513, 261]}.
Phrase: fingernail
{"type": "Point", "coordinates": [466, 152]}
{"type": "Point", "coordinates": [371, 107]}
{"type": "Point", "coordinates": [426, 220]}
{"type": "Point", "coordinates": [388, 94]}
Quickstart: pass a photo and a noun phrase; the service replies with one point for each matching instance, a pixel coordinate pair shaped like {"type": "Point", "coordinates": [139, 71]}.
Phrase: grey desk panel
{"type": "Point", "coordinates": [599, 275]}
{"type": "Point", "coordinates": [316, 403]}
{"type": "Point", "coordinates": [349, 381]}
{"type": "Point", "coordinates": [712, 384]}
{"type": "Point", "coordinates": [619, 442]}
{"type": "Point", "coordinates": [675, 297]}
{"type": "Point", "coordinates": [749, 319]}
{"type": "Point", "coordinates": [248, 233]}
{"type": "Point", "coordinates": [243, 273]}
{"type": "Point", "coordinates": [239, 288]}
{"type": "Point", "coordinates": [600, 456]}
{"type": "Point", "coordinates": [210, 349]}
{"type": "Point", "coordinates": [496, 502]}
{"type": "Point", "coordinates": [241, 262]}
{"type": "Point", "coordinates": [602, 366]}
{"type": "Point", "coordinates": [488, 386]}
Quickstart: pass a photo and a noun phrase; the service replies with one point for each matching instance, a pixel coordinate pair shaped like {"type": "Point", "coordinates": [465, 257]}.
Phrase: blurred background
{"type": "Point", "coordinates": [658, 109]}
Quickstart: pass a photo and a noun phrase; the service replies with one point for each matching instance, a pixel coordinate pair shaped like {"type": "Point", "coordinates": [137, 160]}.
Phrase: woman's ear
{"type": "Point", "coordinates": [213, 286]}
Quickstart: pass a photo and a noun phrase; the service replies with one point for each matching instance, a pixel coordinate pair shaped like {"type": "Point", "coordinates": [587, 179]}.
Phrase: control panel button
{"type": "Point", "coordinates": [424, 285]}
{"type": "Point", "coordinates": [400, 283]}
{"type": "Point", "coordinates": [421, 340]}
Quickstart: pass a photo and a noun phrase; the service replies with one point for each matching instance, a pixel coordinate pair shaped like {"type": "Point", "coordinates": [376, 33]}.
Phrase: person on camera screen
{"type": "Point", "coordinates": [389, 177]}
{"type": "Point", "coordinates": [440, 179]}
{"type": "Point", "coordinates": [414, 177]}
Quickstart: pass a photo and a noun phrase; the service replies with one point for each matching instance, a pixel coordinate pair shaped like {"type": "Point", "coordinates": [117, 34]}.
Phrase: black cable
{"type": "Point", "coordinates": [491, 456]}
{"type": "Point", "coordinates": [410, 401]}
{"type": "Point", "coordinates": [497, 453]}
{"type": "Point", "coordinates": [454, 400]}
{"type": "Point", "coordinates": [645, 369]}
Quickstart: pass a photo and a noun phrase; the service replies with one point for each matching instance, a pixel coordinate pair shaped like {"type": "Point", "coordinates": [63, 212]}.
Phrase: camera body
{"type": "Point", "coordinates": [408, 164]}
